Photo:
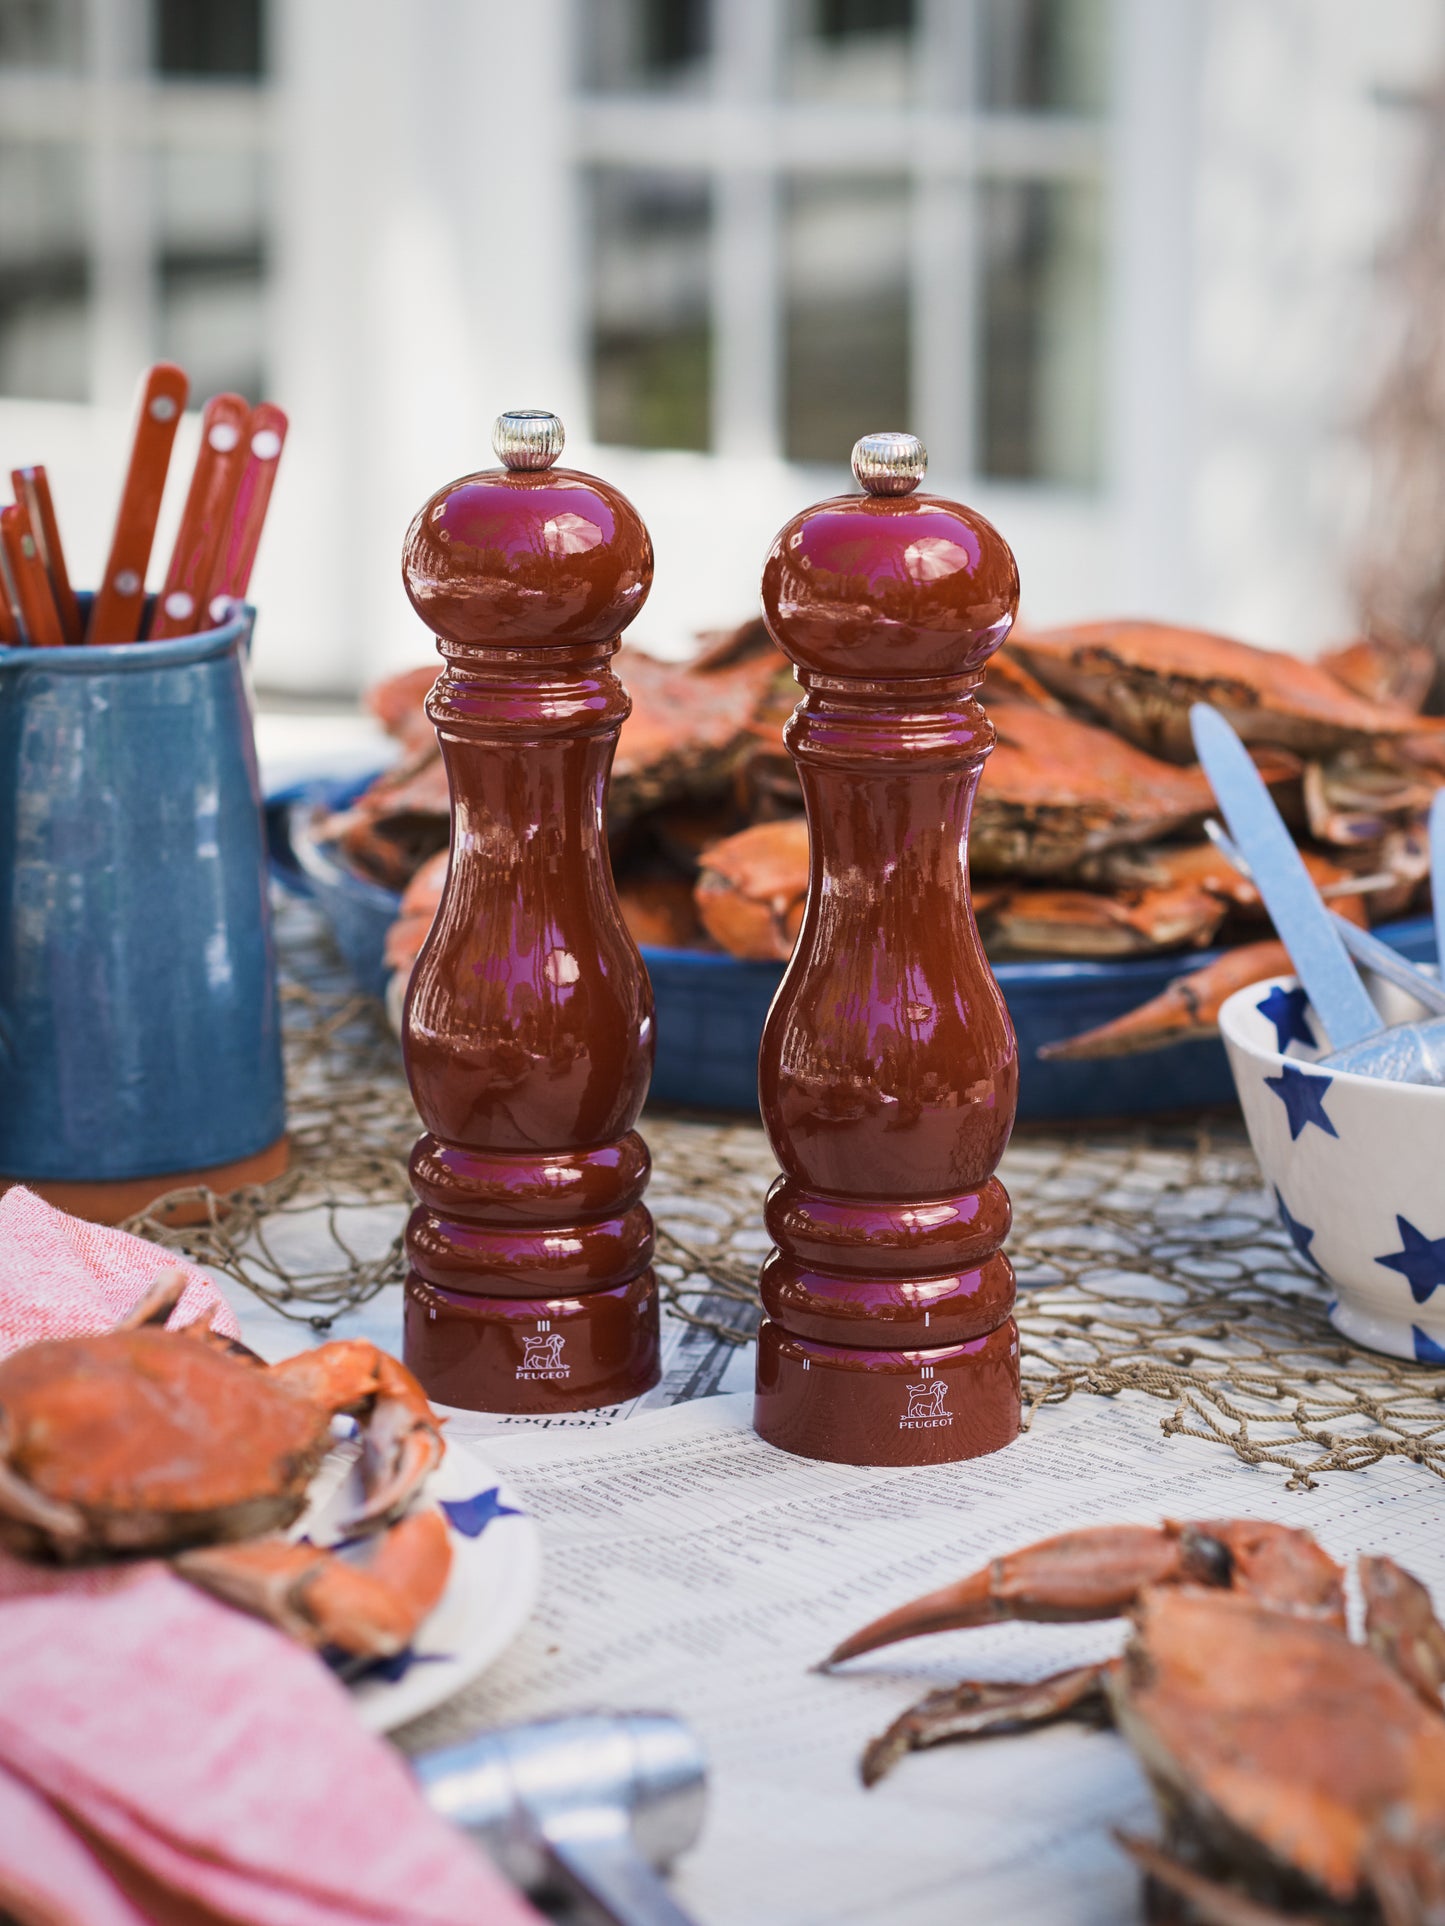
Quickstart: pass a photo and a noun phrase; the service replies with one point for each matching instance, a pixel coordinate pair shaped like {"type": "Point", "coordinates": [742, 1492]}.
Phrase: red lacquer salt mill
{"type": "Point", "coordinates": [888, 1073]}
{"type": "Point", "coordinates": [528, 1029]}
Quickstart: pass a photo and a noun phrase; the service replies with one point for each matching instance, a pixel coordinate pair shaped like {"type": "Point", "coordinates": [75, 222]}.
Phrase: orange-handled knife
{"type": "Point", "coordinates": [120, 600]}
{"type": "Point", "coordinates": [32, 492]}
{"type": "Point", "coordinates": [265, 438]}
{"type": "Point", "coordinates": [36, 605]}
{"type": "Point", "coordinates": [10, 635]}
{"type": "Point", "coordinates": [180, 606]}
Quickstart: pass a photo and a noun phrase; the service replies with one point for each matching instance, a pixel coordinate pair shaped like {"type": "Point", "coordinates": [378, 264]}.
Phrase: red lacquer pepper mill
{"type": "Point", "coordinates": [528, 1029]}
{"type": "Point", "coordinates": [888, 1073]}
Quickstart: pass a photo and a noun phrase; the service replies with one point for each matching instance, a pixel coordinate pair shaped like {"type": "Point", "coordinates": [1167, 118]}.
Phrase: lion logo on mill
{"type": "Point", "coordinates": [926, 1400]}
{"type": "Point", "coordinates": [543, 1353]}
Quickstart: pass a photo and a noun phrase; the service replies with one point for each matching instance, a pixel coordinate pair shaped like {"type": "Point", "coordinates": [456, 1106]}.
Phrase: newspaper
{"type": "Point", "coordinates": [692, 1568]}
{"type": "Point", "coordinates": [695, 1363]}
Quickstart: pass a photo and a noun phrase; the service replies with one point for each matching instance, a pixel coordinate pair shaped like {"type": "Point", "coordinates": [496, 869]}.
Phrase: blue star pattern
{"type": "Point", "coordinates": [1427, 1351]}
{"type": "Point", "coordinates": [390, 1671]}
{"type": "Point", "coordinates": [1285, 1009]}
{"type": "Point", "coordinates": [1300, 1235]}
{"type": "Point", "coordinates": [1303, 1095]}
{"type": "Point", "coordinates": [471, 1516]}
{"type": "Point", "coordinates": [1420, 1260]}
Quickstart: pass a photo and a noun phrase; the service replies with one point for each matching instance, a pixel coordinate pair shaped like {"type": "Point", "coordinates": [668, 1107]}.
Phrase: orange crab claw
{"type": "Point", "coordinates": [1100, 1573]}
{"type": "Point", "coordinates": [1079, 1575]}
{"type": "Point", "coordinates": [1187, 1009]}
{"type": "Point", "coordinates": [982, 1708]}
{"type": "Point", "coordinates": [159, 1301]}
{"type": "Point", "coordinates": [401, 1433]}
{"type": "Point", "coordinates": [319, 1598]}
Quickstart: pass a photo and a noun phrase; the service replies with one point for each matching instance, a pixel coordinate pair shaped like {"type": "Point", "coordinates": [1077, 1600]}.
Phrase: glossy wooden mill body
{"type": "Point", "coordinates": [888, 1070]}
{"type": "Point", "coordinates": [528, 1030]}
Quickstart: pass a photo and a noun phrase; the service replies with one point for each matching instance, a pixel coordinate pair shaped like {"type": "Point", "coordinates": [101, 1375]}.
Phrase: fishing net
{"type": "Point", "coordinates": [1149, 1257]}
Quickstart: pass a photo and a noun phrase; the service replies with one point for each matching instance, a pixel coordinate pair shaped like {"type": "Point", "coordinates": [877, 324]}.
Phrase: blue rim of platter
{"type": "Point", "coordinates": [710, 1006]}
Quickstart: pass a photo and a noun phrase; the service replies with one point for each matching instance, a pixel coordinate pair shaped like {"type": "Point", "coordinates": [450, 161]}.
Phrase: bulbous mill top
{"type": "Point", "coordinates": [890, 584]}
{"type": "Point", "coordinates": [527, 553]}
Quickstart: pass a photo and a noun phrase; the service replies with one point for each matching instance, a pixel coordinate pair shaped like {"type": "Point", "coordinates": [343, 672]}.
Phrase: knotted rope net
{"type": "Point", "coordinates": [1149, 1258]}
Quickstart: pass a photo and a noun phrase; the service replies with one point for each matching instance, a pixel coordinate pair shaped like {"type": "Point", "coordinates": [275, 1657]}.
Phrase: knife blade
{"type": "Point", "coordinates": [1296, 908]}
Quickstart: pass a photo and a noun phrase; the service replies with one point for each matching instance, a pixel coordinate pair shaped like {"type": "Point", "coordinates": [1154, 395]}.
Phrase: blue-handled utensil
{"type": "Point", "coordinates": [1363, 947]}
{"type": "Point", "coordinates": [1286, 887]}
{"type": "Point", "coordinates": [1405, 1052]}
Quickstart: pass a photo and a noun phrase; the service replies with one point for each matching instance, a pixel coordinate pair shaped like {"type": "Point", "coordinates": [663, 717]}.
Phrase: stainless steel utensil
{"type": "Point", "coordinates": [1363, 947]}
{"type": "Point", "coordinates": [590, 1806]}
{"type": "Point", "coordinates": [1403, 1053]}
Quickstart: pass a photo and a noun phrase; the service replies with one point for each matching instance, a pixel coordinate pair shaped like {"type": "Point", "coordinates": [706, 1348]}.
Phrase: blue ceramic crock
{"type": "Point", "coordinates": [139, 1031]}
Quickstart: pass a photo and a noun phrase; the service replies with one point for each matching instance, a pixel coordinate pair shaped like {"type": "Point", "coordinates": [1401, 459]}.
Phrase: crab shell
{"type": "Point", "coordinates": [146, 1440]}
{"type": "Point", "coordinates": [1274, 1746]}
{"type": "Point", "coordinates": [1142, 678]}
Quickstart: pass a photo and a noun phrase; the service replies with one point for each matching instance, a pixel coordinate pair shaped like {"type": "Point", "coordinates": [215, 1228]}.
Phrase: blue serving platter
{"type": "Point", "coordinates": [710, 1007]}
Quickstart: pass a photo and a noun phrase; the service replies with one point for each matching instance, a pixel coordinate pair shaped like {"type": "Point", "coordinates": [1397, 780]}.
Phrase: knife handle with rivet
{"type": "Point", "coordinates": [36, 605]}
{"type": "Point", "coordinates": [181, 605]}
{"type": "Point", "coordinates": [265, 438]}
{"type": "Point", "coordinates": [32, 492]}
{"type": "Point", "coordinates": [120, 600]}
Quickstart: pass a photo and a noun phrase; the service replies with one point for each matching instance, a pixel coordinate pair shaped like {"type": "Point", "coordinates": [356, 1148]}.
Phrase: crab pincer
{"type": "Point", "coordinates": [369, 1610]}
{"type": "Point", "coordinates": [401, 1436]}
{"type": "Point", "coordinates": [1101, 1572]}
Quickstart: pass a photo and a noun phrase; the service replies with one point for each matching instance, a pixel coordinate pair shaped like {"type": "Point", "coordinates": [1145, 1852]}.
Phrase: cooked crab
{"type": "Point", "coordinates": [1083, 922]}
{"type": "Point", "coordinates": [143, 1440]}
{"type": "Point", "coordinates": [691, 727]}
{"type": "Point", "coordinates": [751, 889]}
{"type": "Point", "coordinates": [1056, 791]}
{"type": "Point", "coordinates": [1297, 1775]}
{"type": "Point", "coordinates": [1142, 678]}
{"type": "Point", "coordinates": [1384, 668]}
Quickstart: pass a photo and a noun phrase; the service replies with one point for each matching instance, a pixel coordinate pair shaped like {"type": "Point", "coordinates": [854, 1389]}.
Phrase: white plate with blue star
{"type": "Point", "coordinates": [491, 1588]}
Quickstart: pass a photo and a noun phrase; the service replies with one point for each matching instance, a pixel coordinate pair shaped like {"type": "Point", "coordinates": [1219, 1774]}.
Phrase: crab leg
{"type": "Point", "coordinates": [400, 1431]}
{"type": "Point", "coordinates": [1188, 1008]}
{"type": "Point", "coordinates": [1100, 1572]}
{"type": "Point", "coordinates": [1210, 1904]}
{"type": "Point", "coordinates": [1402, 1629]}
{"type": "Point", "coordinates": [371, 1610]}
{"type": "Point", "coordinates": [982, 1709]}
{"type": "Point", "coordinates": [158, 1303]}
{"type": "Point", "coordinates": [1079, 1575]}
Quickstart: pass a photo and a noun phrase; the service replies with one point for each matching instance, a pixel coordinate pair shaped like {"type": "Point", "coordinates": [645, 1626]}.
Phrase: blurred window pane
{"type": "Point", "coordinates": [1042, 56]}
{"type": "Point", "coordinates": [44, 271]}
{"type": "Point", "coordinates": [651, 335]}
{"type": "Point", "coordinates": [42, 33]}
{"type": "Point", "coordinates": [210, 208]}
{"type": "Point", "coordinates": [1042, 340]}
{"type": "Point", "coordinates": [847, 321]}
{"type": "Point", "coordinates": [632, 46]}
{"type": "Point", "coordinates": [209, 39]}
{"type": "Point", "coordinates": [844, 50]}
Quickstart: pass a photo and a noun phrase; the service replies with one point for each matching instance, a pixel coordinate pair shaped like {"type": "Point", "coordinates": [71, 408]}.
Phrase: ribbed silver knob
{"type": "Point", "coordinates": [889, 463]}
{"type": "Point", "coordinates": [527, 438]}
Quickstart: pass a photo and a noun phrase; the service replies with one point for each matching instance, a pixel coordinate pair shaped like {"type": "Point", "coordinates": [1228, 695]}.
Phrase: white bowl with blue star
{"type": "Point", "coordinates": [1356, 1165]}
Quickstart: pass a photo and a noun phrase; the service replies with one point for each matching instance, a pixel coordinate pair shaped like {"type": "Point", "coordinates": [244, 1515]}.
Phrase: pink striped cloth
{"type": "Point", "coordinates": [163, 1758]}
{"type": "Point", "coordinates": [60, 1276]}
